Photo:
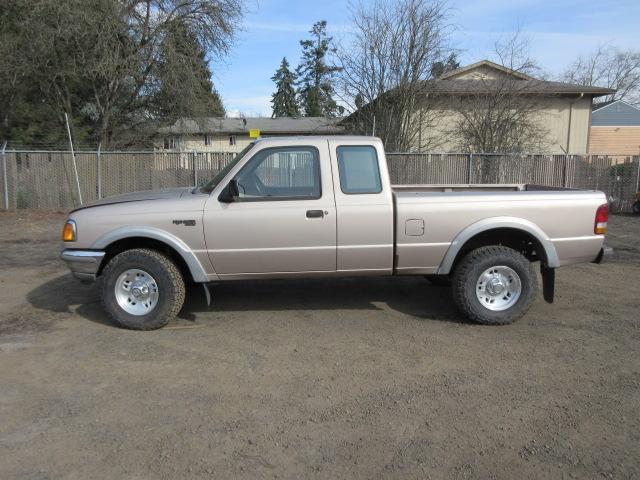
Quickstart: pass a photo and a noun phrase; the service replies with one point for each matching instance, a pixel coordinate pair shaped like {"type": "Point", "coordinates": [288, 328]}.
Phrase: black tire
{"type": "Point", "coordinates": [170, 284]}
{"type": "Point", "coordinates": [439, 280]}
{"type": "Point", "coordinates": [636, 208]}
{"type": "Point", "coordinates": [468, 272]}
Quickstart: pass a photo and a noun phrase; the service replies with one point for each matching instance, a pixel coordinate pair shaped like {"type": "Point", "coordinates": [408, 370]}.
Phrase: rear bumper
{"type": "Point", "coordinates": [604, 255]}
{"type": "Point", "coordinates": [84, 264]}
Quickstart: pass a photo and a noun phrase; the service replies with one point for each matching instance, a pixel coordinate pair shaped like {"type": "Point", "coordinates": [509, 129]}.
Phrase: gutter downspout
{"type": "Point", "coordinates": [570, 117]}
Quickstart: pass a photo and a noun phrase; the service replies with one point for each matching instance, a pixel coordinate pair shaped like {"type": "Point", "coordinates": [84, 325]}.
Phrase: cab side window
{"type": "Point", "coordinates": [287, 173]}
{"type": "Point", "coordinates": [358, 169]}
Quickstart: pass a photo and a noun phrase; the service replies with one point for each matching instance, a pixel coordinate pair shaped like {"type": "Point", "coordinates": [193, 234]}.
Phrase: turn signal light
{"type": "Point", "coordinates": [69, 231]}
{"type": "Point", "coordinates": [602, 216]}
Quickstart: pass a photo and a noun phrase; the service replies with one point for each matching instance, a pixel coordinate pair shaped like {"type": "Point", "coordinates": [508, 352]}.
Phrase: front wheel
{"type": "Point", "coordinates": [636, 207]}
{"type": "Point", "coordinates": [494, 285]}
{"type": "Point", "coordinates": [142, 289]}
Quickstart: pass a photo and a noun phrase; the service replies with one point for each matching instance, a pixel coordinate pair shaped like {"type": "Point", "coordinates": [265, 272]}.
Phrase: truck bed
{"type": "Point", "coordinates": [430, 219]}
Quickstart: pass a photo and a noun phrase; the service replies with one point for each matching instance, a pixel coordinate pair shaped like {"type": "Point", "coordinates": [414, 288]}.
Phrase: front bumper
{"type": "Point", "coordinates": [84, 264]}
{"type": "Point", "coordinates": [604, 255]}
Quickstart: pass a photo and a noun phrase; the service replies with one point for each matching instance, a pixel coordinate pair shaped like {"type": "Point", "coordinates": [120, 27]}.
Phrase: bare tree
{"type": "Point", "coordinates": [513, 51]}
{"type": "Point", "coordinates": [609, 67]}
{"type": "Point", "coordinates": [11, 72]}
{"type": "Point", "coordinates": [103, 59]}
{"type": "Point", "coordinates": [500, 113]}
{"type": "Point", "coordinates": [385, 67]}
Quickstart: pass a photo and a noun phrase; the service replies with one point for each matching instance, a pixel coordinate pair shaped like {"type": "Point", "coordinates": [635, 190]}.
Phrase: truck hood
{"type": "Point", "coordinates": [164, 194]}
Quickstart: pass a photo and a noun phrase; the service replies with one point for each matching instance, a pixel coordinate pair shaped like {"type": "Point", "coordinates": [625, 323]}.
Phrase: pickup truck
{"type": "Point", "coordinates": [323, 206]}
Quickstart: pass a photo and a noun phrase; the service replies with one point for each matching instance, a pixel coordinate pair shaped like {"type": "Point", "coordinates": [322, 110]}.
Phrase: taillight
{"type": "Point", "coordinates": [602, 216]}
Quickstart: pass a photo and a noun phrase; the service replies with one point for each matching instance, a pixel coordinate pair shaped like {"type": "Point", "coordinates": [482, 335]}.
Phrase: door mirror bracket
{"type": "Point", "coordinates": [230, 193]}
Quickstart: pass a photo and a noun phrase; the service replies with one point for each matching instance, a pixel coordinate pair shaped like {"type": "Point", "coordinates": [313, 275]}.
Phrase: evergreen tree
{"type": "Point", "coordinates": [284, 103]}
{"type": "Point", "coordinates": [316, 76]}
{"type": "Point", "coordinates": [185, 89]}
{"type": "Point", "coordinates": [440, 68]}
{"type": "Point", "coordinates": [115, 72]}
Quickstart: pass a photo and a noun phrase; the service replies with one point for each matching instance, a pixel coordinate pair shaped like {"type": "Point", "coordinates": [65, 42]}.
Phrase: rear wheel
{"type": "Point", "coordinates": [142, 289]}
{"type": "Point", "coordinates": [636, 207]}
{"type": "Point", "coordinates": [494, 285]}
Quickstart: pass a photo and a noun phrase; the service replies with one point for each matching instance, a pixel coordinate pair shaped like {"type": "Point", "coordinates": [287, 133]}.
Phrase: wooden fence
{"type": "Point", "coordinates": [46, 179]}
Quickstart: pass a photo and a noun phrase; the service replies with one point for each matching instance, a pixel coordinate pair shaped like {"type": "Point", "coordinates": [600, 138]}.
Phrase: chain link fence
{"type": "Point", "coordinates": [618, 176]}
{"type": "Point", "coordinates": [47, 179]}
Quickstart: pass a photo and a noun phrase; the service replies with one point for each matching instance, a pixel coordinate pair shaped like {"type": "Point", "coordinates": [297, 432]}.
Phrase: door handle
{"type": "Point", "coordinates": [315, 214]}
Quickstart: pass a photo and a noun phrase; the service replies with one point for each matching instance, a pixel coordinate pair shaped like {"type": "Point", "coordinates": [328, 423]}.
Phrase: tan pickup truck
{"type": "Point", "coordinates": [324, 207]}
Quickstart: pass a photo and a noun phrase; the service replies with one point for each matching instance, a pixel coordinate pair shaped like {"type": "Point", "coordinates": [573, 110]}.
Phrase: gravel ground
{"type": "Point", "coordinates": [350, 378]}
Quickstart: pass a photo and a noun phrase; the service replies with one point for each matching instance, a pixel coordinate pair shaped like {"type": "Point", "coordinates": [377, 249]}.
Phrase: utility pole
{"type": "Point", "coordinates": [99, 171]}
{"type": "Point", "coordinates": [4, 176]}
{"type": "Point", "coordinates": [73, 157]}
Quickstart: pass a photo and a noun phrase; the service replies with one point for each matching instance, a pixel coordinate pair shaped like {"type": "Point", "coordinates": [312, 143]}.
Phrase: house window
{"type": "Point", "coordinates": [207, 140]}
{"type": "Point", "coordinates": [169, 142]}
{"type": "Point", "coordinates": [232, 140]}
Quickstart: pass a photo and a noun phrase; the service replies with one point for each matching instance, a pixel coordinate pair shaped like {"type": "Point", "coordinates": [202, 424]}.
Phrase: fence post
{"type": "Point", "coordinates": [99, 172]}
{"type": "Point", "coordinates": [470, 166]}
{"type": "Point", "coordinates": [638, 175]}
{"type": "Point", "coordinates": [195, 171]}
{"type": "Point", "coordinates": [5, 181]}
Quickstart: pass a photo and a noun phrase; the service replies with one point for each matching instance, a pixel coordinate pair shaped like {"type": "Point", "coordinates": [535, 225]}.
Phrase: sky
{"type": "Point", "coordinates": [558, 30]}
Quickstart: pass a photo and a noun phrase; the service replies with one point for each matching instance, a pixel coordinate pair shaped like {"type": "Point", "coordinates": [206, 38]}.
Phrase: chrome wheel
{"type": "Point", "coordinates": [136, 292]}
{"type": "Point", "coordinates": [498, 288]}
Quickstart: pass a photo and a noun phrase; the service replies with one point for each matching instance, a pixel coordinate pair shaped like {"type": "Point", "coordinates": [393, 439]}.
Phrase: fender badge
{"type": "Point", "coordinates": [186, 223]}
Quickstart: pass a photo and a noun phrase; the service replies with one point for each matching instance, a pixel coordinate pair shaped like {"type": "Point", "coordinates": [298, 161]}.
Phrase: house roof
{"type": "Point", "coordinates": [280, 125]}
{"type": "Point", "coordinates": [598, 105]}
{"type": "Point", "coordinates": [619, 103]}
{"type": "Point", "coordinates": [489, 78]}
{"type": "Point", "coordinates": [616, 114]}
{"type": "Point", "coordinates": [533, 86]}
{"type": "Point", "coordinates": [487, 64]}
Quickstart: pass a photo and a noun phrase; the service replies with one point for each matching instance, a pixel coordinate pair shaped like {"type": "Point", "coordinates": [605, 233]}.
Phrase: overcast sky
{"type": "Point", "coordinates": [559, 31]}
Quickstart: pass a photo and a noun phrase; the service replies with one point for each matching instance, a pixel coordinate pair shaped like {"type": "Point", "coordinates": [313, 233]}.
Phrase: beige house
{"type": "Point", "coordinates": [562, 110]}
{"type": "Point", "coordinates": [217, 134]}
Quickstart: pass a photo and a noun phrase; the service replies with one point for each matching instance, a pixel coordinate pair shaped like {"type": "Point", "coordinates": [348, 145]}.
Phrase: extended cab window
{"type": "Point", "coordinates": [287, 173]}
{"type": "Point", "coordinates": [359, 171]}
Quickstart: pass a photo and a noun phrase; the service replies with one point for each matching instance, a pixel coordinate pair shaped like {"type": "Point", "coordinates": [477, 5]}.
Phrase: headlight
{"type": "Point", "coordinates": [69, 232]}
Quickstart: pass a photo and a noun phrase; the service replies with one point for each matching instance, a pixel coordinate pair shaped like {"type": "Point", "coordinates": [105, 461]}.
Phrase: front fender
{"type": "Point", "coordinates": [195, 267]}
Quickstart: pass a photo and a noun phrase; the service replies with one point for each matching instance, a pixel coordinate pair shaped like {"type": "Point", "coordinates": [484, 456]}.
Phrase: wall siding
{"type": "Point", "coordinates": [622, 140]}
{"type": "Point", "coordinates": [219, 143]}
{"type": "Point", "coordinates": [553, 116]}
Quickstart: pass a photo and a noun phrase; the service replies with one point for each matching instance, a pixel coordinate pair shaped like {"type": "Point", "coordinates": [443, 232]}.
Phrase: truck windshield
{"type": "Point", "coordinates": [213, 183]}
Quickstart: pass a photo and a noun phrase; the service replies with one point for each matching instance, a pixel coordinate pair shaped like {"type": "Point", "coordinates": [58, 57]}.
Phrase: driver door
{"type": "Point", "coordinates": [283, 220]}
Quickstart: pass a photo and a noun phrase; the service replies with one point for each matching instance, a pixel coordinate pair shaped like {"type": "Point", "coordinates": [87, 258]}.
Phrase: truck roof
{"type": "Point", "coordinates": [280, 139]}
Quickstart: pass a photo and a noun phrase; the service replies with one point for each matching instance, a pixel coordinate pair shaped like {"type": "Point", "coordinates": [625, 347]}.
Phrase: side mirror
{"type": "Point", "coordinates": [230, 193]}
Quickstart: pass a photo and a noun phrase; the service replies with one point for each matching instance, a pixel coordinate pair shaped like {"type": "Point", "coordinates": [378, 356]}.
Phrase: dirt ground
{"type": "Point", "coordinates": [353, 378]}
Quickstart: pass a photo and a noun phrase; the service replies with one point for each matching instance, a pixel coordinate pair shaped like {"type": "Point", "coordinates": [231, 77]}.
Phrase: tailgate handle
{"type": "Point", "coordinates": [315, 214]}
